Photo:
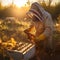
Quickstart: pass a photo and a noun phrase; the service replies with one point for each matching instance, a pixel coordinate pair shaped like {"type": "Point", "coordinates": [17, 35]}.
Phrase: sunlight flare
{"type": "Point", "coordinates": [20, 3]}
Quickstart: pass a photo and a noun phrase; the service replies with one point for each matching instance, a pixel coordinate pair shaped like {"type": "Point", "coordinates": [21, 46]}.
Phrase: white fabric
{"type": "Point", "coordinates": [49, 27]}
{"type": "Point", "coordinates": [48, 24]}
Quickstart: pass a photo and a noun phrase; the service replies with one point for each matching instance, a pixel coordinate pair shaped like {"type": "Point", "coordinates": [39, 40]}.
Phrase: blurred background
{"type": "Point", "coordinates": [13, 22]}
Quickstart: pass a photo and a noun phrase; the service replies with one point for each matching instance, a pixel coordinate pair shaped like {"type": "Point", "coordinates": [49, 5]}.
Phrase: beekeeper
{"type": "Point", "coordinates": [41, 29]}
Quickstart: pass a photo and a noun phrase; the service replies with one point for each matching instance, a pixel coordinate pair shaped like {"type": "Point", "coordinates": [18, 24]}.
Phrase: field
{"type": "Point", "coordinates": [12, 31]}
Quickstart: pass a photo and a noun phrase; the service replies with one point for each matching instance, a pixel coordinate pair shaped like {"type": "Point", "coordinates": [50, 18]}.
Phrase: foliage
{"type": "Point", "coordinates": [53, 10]}
{"type": "Point", "coordinates": [10, 34]}
{"type": "Point", "coordinates": [12, 28]}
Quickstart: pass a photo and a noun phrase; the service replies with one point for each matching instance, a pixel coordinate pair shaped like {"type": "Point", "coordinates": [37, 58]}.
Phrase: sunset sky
{"type": "Point", "coordinates": [20, 3]}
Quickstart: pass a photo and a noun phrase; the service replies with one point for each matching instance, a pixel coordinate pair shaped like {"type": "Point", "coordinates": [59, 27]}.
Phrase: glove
{"type": "Point", "coordinates": [30, 36]}
{"type": "Point", "coordinates": [41, 37]}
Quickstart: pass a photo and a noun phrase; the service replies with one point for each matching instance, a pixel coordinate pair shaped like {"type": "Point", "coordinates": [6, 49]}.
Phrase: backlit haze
{"type": "Point", "coordinates": [20, 3]}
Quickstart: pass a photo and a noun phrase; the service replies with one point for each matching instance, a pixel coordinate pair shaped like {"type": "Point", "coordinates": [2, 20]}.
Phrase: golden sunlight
{"type": "Point", "coordinates": [6, 2]}
{"type": "Point", "coordinates": [20, 3]}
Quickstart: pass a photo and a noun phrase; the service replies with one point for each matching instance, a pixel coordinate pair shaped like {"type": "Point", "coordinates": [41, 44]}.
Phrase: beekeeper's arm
{"type": "Point", "coordinates": [48, 29]}
{"type": "Point", "coordinates": [30, 32]}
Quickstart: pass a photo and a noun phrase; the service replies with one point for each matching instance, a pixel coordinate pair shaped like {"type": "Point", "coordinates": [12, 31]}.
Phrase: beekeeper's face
{"type": "Point", "coordinates": [30, 16]}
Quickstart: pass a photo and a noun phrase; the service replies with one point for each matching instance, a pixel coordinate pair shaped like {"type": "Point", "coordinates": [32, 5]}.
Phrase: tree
{"type": "Point", "coordinates": [44, 2]}
{"type": "Point", "coordinates": [50, 1]}
{"type": "Point", "coordinates": [28, 2]}
{"type": "Point", "coordinates": [0, 5]}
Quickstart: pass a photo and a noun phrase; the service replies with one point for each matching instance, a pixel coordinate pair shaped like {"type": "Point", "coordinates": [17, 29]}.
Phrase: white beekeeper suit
{"type": "Point", "coordinates": [44, 17]}
{"type": "Point", "coordinates": [49, 26]}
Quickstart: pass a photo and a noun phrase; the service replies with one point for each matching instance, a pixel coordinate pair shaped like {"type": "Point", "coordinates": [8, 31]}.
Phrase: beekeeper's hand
{"type": "Point", "coordinates": [41, 37]}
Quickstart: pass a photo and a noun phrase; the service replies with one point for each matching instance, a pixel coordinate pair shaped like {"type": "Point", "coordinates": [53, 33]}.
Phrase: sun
{"type": "Point", "coordinates": [20, 3]}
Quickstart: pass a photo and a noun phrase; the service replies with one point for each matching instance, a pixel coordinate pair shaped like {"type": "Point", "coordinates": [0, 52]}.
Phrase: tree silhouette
{"type": "Point", "coordinates": [28, 2]}
{"type": "Point", "coordinates": [50, 1]}
{"type": "Point", "coordinates": [0, 5]}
